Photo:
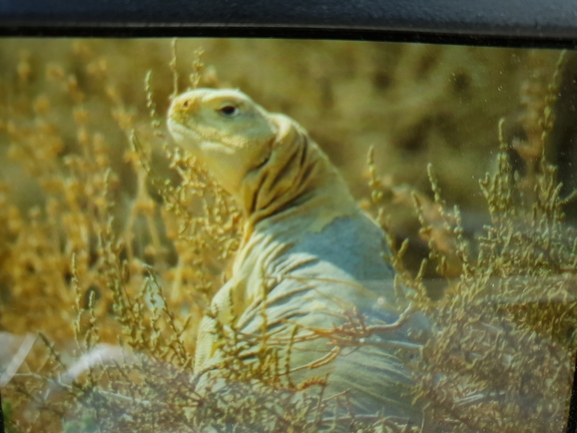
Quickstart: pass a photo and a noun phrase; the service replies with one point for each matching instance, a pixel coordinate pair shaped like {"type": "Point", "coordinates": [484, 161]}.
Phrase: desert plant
{"type": "Point", "coordinates": [116, 261]}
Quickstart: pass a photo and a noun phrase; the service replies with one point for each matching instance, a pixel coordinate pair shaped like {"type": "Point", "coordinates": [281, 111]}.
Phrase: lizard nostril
{"type": "Point", "coordinates": [186, 103]}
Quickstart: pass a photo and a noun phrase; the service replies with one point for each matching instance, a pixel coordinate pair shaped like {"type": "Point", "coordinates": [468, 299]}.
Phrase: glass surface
{"type": "Point", "coordinates": [176, 257]}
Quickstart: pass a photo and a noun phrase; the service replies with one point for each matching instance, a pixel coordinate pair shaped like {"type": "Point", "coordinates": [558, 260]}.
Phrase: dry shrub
{"type": "Point", "coordinates": [85, 267]}
{"type": "Point", "coordinates": [115, 263]}
{"type": "Point", "coordinates": [504, 334]}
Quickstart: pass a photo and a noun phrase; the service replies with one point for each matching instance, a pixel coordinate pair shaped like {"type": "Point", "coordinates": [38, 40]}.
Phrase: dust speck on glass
{"type": "Point", "coordinates": [230, 235]}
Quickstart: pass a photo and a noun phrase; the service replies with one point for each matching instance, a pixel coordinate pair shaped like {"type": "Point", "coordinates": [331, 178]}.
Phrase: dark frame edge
{"type": "Point", "coordinates": [572, 415]}
{"type": "Point", "coordinates": [495, 38]}
{"type": "Point", "coordinates": [2, 426]}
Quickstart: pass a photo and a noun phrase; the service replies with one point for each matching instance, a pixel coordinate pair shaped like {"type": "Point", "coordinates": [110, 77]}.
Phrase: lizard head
{"type": "Point", "coordinates": [266, 161]}
{"type": "Point", "coordinates": [225, 130]}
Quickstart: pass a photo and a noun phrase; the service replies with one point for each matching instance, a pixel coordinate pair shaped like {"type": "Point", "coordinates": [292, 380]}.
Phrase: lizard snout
{"type": "Point", "coordinates": [183, 107]}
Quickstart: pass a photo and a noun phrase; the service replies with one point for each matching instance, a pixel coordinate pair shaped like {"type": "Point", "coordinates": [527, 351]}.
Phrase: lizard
{"type": "Point", "coordinates": [308, 256]}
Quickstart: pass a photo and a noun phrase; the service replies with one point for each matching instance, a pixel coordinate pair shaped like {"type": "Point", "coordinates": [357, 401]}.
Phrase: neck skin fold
{"type": "Point", "coordinates": [297, 188]}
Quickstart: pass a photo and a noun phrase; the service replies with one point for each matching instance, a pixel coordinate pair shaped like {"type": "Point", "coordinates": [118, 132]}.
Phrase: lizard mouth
{"type": "Point", "coordinates": [183, 135]}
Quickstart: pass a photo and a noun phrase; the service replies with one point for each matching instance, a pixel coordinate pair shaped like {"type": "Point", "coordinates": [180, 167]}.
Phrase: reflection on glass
{"type": "Point", "coordinates": [395, 252]}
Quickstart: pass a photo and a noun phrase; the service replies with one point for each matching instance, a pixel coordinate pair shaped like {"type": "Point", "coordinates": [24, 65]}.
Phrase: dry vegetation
{"type": "Point", "coordinates": [117, 250]}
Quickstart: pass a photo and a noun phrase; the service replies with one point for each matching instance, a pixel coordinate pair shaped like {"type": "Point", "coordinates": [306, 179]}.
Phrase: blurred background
{"type": "Point", "coordinates": [67, 111]}
{"type": "Point", "coordinates": [416, 104]}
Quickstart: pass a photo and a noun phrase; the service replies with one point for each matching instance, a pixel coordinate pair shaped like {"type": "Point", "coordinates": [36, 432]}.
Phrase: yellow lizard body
{"type": "Point", "coordinates": [309, 255]}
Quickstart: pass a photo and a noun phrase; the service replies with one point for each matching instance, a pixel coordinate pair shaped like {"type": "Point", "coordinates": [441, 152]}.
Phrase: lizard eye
{"type": "Point", "coordinates": [228, 110]}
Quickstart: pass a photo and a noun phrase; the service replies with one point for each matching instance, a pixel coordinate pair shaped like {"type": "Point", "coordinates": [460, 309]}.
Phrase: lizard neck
{"type": "Point", "coordinates": [297, 189]}
{"type": "Point", "coordinates": [298, 192]}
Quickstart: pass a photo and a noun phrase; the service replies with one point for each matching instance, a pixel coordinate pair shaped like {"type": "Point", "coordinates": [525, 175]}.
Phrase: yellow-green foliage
{"type": "Point", "coordinates": [76, 267]}
{"type": "Point", "coordinates": [503, 355]}
{"type": "Point", "coordinates": [123, 249]}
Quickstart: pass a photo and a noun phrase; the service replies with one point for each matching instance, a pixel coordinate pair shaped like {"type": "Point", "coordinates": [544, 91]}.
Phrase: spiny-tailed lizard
{"type": "Point", "coordinates": [308, 256]}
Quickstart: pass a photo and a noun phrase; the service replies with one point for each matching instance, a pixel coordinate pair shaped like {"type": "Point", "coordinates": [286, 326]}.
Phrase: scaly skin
{"type": "Point", "coordinates": [309, 255]}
